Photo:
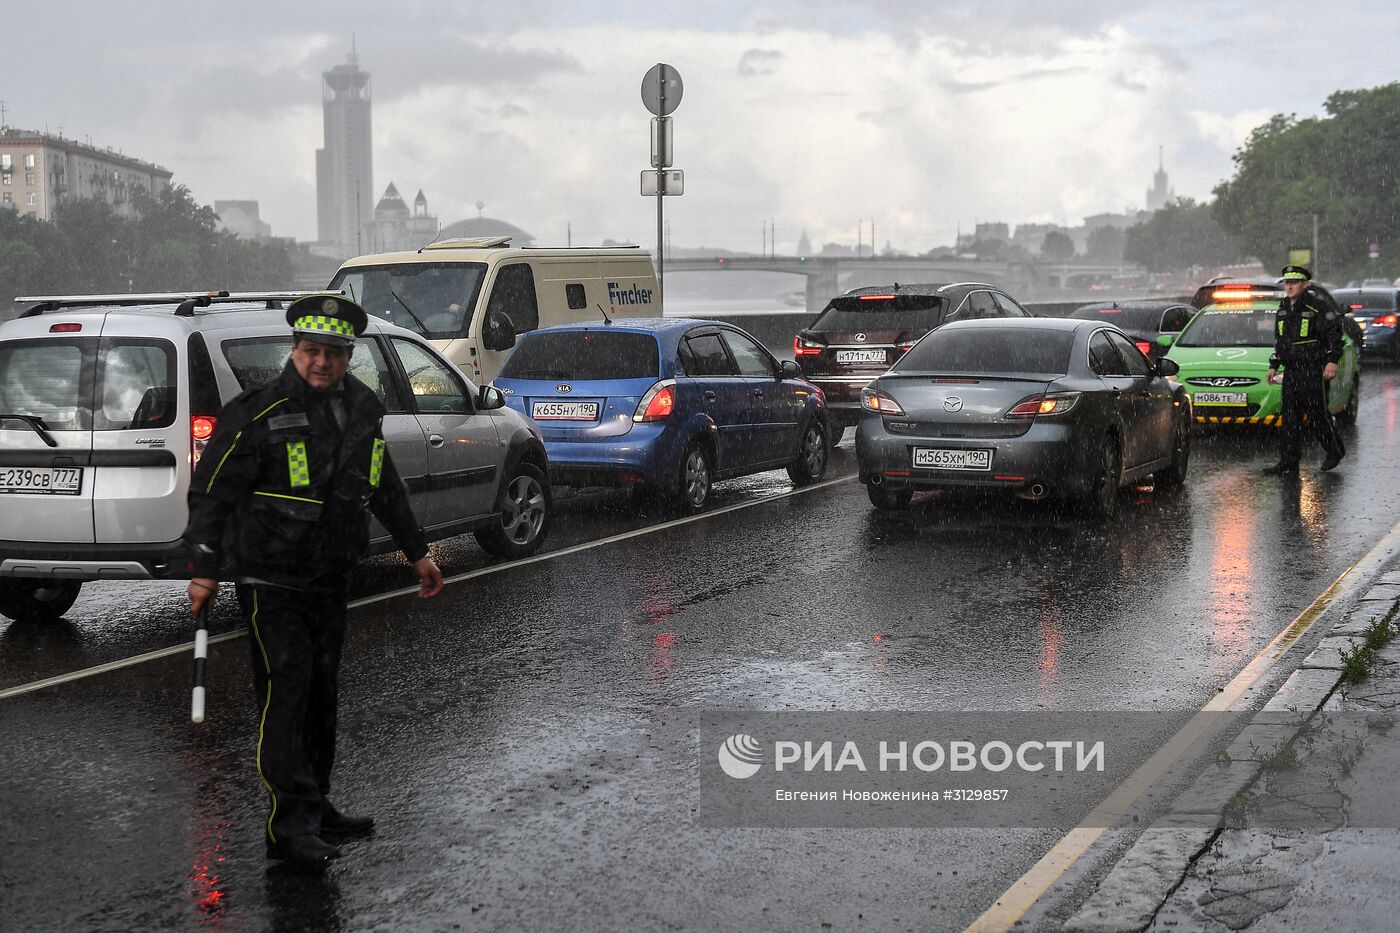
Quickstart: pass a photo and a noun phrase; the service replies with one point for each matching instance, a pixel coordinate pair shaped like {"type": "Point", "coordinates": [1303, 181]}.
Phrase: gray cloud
{"type": "Point", "coordinates": [759, 62]}
{"type": "Point", "coordinates": [970, 87]}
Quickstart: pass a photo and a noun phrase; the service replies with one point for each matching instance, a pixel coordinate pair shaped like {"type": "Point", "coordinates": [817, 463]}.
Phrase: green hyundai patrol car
{"type": "Point", "coordinates": [1224, 358]}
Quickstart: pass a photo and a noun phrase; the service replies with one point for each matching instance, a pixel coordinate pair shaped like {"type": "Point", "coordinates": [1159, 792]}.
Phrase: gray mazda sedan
{"type": "Point", "coordinates": [1038, 407]}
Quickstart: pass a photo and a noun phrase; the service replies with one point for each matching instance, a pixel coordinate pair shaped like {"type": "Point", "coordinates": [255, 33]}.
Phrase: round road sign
{"type": "Point", "coordinates": [662, 89]}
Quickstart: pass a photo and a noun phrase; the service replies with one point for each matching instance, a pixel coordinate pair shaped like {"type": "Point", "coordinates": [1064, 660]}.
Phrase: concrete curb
{"type": "Point", "coordinates": [1140, 882]}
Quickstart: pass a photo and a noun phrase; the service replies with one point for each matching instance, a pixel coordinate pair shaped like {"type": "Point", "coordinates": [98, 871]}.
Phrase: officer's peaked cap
{"type": "Point", "coordinates": [1295, 273]}
{"type": "Point", "coordinates": [329, 318]}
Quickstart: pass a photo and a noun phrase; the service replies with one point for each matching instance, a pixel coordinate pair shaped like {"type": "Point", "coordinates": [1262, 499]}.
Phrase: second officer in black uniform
{"type": "Point", "coordinates": [281, 500]}
{"type": "Point", "coordinates": [1308, 346]}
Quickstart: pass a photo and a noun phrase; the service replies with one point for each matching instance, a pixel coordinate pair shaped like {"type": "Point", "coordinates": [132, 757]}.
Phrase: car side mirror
{"type": "Point", "coordinates": [1166, 340]}
{"type": "Point", "coordinates": [489, 398]}
{"type": "Point", "coordinates": [1166, 367]}
{"type": "Point", "coordinates": [499, 332]}
{"type": "Point", "coordinates": [787, 369]}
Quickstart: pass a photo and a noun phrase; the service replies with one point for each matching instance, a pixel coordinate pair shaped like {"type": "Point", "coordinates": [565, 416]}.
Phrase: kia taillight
{"type": "Point", "coordinates": [201, 429]}
{"type": "Point", "coordinates": [801, 346]}
{"type": "Point", "coordinates": [1042, 405]}
{"type": "Point", "coordinates": [658, 403]}
{"type": "Point", "coordinates": [877, 401]}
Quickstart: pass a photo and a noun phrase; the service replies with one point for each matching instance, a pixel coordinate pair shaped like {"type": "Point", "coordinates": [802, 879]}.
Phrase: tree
{"type": "Point", "coordinates": [1105, 244]}
{"type": "Point", "coordinates": [1057, 246]}
{"type": "Point", "coordinates": [1344, 168]}
{"type": "Point", "coordinates": [1181, 235]}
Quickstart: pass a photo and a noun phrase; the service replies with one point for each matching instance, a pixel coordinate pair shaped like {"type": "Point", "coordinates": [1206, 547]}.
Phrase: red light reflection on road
{"type": "Point", "coordinates": [661, 658]}
{"type": "Point", "coordinates": [1231, 572]}
{"type": "Point", "coordinates": [208, 889]}
{"type": "Point", "coordinates": [1050, 640]}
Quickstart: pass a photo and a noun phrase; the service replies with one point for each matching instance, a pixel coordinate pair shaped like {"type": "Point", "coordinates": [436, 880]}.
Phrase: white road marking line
{"type": "Point", "coordinates": [1013, 904]}
{"type": "Point", "coordinates": [8, 692]}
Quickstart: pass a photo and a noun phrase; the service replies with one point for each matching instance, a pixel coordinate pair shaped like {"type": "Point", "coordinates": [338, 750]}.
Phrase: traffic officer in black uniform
{"type": "Point", "coordinates": [1307, 345]}
{"type": "Point", "coordinates": [281, 501]}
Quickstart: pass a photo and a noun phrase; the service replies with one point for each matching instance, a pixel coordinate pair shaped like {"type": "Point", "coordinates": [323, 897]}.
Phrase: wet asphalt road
{"type": "Point", "coordinates": [527, 739]}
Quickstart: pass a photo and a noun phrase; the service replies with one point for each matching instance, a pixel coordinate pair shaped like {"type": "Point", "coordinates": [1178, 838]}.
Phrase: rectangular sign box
{"type": "Point", "coordinates": [672, 182]}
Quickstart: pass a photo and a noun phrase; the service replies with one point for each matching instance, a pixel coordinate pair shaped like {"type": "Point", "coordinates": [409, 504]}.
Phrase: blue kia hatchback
{"type": "Point", "coordinates": [669, 404]}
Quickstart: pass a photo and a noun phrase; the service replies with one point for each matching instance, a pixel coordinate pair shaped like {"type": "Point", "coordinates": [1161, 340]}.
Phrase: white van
{"type": "Point", "coordinates": [473, 297]}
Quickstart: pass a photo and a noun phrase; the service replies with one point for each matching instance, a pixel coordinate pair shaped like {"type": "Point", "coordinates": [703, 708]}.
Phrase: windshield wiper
{"type": "Point", "coordinates": [36, 423]}
{"type": "Point", "coordinates": [424, 327]}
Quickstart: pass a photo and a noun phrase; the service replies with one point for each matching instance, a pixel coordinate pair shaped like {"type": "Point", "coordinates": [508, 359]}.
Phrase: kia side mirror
{"type": "Point", "coordinates": [787, 369]}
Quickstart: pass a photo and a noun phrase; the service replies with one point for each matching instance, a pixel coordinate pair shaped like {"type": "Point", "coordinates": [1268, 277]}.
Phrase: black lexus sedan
{"type": "Point", "coordinates": [859, 334]}
{"type": "Point", "coordinates": [1039, 407]}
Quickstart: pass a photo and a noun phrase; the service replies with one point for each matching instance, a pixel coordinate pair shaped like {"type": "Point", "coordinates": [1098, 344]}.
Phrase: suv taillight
{"type": "Point", "coordinates": [658, 403]}
{"type": "Point", "coordinates": [201, 429]}
{"type": "Point", "coordinates": [801, 346]}
{"type": "Point", "coordinates": [1386, 320]}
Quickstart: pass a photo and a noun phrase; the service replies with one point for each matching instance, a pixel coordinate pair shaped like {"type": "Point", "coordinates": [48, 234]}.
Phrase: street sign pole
{"type": "Point", "coordinates": [661, 92]}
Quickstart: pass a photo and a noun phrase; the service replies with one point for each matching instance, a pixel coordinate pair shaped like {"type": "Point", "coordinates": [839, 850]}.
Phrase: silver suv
{"type": "Point", "coordinates": [106, 403]}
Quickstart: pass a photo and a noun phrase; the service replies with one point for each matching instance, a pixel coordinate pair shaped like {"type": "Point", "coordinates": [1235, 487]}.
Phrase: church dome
{"type": "Point", "coordinates": [485, 227]}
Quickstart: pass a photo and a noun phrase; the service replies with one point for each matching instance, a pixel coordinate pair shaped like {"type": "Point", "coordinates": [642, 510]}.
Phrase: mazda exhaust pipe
{"type": "Point", "coordinates": [876, 479]}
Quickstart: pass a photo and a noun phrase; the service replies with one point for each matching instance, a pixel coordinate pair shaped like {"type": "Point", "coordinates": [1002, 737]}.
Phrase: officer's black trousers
{"type": "Point", "coordinates": [295, 638]}
{"type": "Point", "coordinates": [1305, 394]}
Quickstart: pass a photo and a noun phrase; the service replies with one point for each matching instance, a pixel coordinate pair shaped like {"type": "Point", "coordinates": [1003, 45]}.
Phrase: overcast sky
{"type": "Point", "coordinates": [923, 117]}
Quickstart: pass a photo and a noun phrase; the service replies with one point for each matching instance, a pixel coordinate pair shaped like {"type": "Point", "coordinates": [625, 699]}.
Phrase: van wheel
{"type": "Point", "coordinates": [696, 479]}
{"type": "Point", "coordinates": [29, 600]}
{"type": "Point", "coordinates": [810, 464]}
{"type": "Point", "coordinates": [526, 508]}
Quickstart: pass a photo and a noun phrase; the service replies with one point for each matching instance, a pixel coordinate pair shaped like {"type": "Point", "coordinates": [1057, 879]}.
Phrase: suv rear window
{"type": "Point", "coordinates": [1367, 299]}
{"type": "Point", "coordinates": [134, 383]}
{"type": "Point", "coordinates": [44, 378]}
{"type": "Point", "coordinates": [990, 350]}
{"type": "Point", "coordinates": [583, 355]}
{"type": "Point", "coordinates": [880, 312]}
{"type": "Point", "coordinates": [434, 299]}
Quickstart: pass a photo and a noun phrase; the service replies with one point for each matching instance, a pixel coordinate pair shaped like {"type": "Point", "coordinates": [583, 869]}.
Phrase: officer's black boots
{"type": "Point", "coordinates": [305, 850]}
{"type": "Point", "coordinates": [335, 823]}
{"type": "Point", "coordinates": [1282, 469]}
{"type": "Point", "coordinates": [1333, 458]}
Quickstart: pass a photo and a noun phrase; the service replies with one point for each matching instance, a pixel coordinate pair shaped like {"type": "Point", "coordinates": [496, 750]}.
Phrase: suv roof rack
{"type": "Point", "coordinates": [614, 246]}
{"type": "Point", "coordinates": [467, 242]}
{"type": "Point", "coordinates": [185, 302]}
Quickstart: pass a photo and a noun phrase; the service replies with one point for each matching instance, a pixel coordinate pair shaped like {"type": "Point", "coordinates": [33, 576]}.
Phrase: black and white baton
{"type": "Point", "coordinates": [201, 652]}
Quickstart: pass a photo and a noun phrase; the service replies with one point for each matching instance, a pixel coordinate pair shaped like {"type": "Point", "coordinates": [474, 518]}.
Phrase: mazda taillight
{"type": "Point", "coordinates": [1144, 347]}
{"type": "Point", "coordinates": [801, 346]}
{"type": "Point", "coordinates": [1387, 320]}
{"type": "Point", "coordinates": [658, 403]}
{"type": "Point", "coordinates": [201, 429]}
{"type": "Point", "coordinates": [877, 401]}
{"type": "Point", "coordinates": [1042, 405]}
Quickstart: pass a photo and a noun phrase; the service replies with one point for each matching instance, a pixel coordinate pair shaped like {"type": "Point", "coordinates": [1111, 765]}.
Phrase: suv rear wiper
{"type": "Point", "coordinates": [34, 422]}
{"type": "Point", "coordinates": [415, 317]}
